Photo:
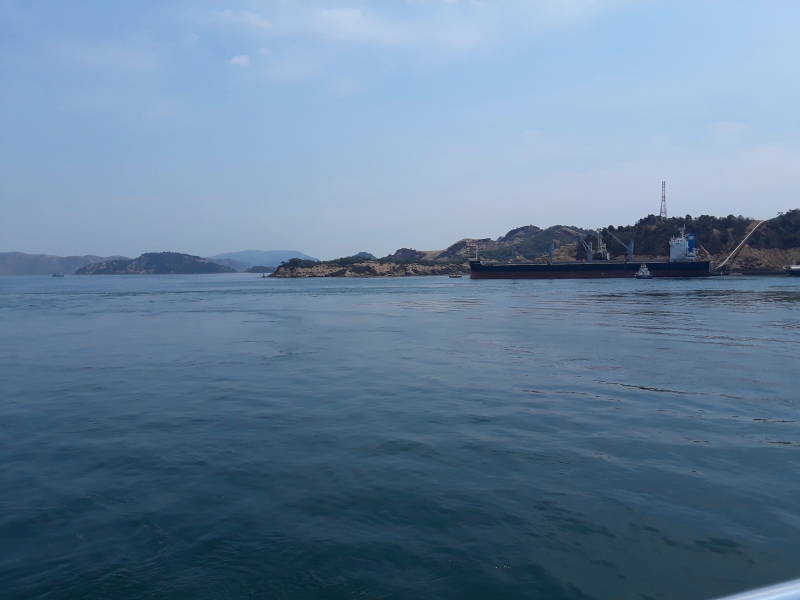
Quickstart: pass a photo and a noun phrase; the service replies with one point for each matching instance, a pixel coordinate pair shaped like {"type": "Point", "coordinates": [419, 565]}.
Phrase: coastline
{"type": "Point", "coordinates": [369, 268]}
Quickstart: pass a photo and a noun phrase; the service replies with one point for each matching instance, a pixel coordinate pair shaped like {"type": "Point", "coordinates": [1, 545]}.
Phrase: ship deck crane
{"type": "Point", "coordinates": [628, 247]}
{"type": "Point", "coordinates": [588, 247]}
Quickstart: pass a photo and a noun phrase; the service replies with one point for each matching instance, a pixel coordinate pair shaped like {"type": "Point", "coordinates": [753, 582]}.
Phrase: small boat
{"type": "Point", "coordinates": [455, 276]}
{"type": "Point", "coordinates": [643, 272]}
{"type": "Point", "coordinates": [57, 275]}
{"type": "Point", "coordinates": [264, 276]}
{"type": "Point", "coordinates": [793, 270]}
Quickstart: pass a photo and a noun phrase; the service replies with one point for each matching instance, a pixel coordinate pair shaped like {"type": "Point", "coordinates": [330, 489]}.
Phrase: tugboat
{"type": "Point", "coordinates": [793, 270]}
{"type": "Point", "coordinates": [643, 272]}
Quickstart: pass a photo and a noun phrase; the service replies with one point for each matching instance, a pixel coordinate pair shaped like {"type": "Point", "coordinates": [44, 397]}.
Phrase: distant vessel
{"type": "Point", "coordinates": [57, 275]}
{"type": "Point", "coordinates": [455, 276]}
{"type": "Point", "coordinates": [793, 270]}
{"type": "Point", "coordinates": [643, 272]}
{"type": "Point", "coordinates": [682, 263]}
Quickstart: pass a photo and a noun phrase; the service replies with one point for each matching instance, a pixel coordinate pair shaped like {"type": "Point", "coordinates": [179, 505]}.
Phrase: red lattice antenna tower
{"type": "Point", "coordinates": [663, 213]}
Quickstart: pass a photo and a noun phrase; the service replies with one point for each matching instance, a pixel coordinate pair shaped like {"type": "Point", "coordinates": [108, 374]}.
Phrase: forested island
{"type": "Point", "coordinates": [155, 263]}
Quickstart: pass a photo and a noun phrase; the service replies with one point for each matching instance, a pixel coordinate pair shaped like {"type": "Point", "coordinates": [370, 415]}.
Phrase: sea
{"type": "Point", "coordinates": [227, 436]}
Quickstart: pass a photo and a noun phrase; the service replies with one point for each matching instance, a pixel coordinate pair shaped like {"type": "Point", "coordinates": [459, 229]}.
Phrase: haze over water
{"type": "Point", "coordinates": [231, 437]}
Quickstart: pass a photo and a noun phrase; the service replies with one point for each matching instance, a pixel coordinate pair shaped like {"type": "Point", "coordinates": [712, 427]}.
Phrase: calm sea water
{"type": "Point", "coordinates": [233, 437]}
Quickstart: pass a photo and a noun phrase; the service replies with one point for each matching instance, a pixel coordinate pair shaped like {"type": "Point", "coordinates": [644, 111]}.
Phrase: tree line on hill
{"type": "Point", "coordinates": [715, 235]}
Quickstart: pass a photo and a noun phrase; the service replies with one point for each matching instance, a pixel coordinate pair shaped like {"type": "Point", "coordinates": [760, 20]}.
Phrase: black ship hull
{"type": "Point", "coordinates": [587, 270]}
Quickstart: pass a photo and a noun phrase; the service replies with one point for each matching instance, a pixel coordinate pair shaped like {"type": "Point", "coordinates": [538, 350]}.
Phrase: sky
{"type": "Point", "coordinates": [333, 127]}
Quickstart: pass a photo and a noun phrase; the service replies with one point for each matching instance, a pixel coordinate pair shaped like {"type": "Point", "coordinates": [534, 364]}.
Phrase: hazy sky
{"type": "Point", "coordinates": [339, 126]}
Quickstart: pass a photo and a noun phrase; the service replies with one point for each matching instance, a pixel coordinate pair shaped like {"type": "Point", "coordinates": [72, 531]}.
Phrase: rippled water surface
{"type": "Point", "coordinates": [233, 437]}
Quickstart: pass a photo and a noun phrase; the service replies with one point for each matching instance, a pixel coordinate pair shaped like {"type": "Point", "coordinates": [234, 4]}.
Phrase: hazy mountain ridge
{"type": "Point", "coordinates": [21, 263]}
{"type": "Point", "coordinates": [243, 259]}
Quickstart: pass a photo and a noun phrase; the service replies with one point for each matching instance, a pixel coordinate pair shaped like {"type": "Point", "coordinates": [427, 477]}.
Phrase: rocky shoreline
{"type": "Point", "coordinates": [368, 268]}
{"type": "Point", "coordinates": [750, 261]}
{"type": "Point", "coordinates": [762, 261]}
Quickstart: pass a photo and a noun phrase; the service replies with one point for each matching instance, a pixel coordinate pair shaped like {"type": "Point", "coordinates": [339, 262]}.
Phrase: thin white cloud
{"type": "Point", "coordinates": [243, 60]}
{"type": "Point", "coordinates": [286, 36]}
{"type": "Point", "coordinates": [422, 23]}
{"type": "Point", "coordinates": [358, 26]}
{"type": "Point", "coordinates": [246, 17]}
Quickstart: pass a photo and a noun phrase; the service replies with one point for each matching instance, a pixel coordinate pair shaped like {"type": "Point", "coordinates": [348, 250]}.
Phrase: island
{"type": "Point", "coordinates": [774, 245]}
{"type": "Point", "coordinates": [521, 242]}
{"type": "Point", "coordinates": [156, 263]}
{"type": "Point", "coordinates": [356, 266]}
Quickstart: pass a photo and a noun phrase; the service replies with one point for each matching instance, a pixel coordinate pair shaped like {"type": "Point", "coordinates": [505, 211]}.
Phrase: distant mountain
{"type": "Point", "coordinates": [253, 258]}
{"type": "Point", "coordinates": [233, 264]}
{"type": "Point", "coordinates": [19, 263]}
{"type": "Point", "coordinates": [155, 263]}
{"type": "Point", "coordinates": [366, 255]}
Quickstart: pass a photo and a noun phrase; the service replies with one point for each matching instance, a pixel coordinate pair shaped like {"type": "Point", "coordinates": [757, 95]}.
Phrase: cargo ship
{"type": "Point", "coordinates": [683, 262]}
